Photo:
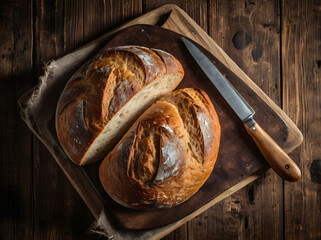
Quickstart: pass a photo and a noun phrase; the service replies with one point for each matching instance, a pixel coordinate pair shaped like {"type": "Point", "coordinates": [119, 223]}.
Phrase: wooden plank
{"type": "Point", "coordinates": [101, 16]}
{"type": "Point", "coordinates": [301, 71]}
{"type": "Point", "coordinates": [73, 25]}
{"type": "Point", "coordinates": [15, 138]}
{"type": "Point", "coordinates": [59, 213]}
{"type": "Point", "coordinates": [48, 45]}
{"type": "Point", "coordinates": [75, 217]}
{"type": "Point", "coordinates": [248, 32]}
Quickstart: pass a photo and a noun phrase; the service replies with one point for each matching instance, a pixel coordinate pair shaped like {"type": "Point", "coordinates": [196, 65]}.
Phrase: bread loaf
{"type": "Point", "coordinates": [167, 154]}
{"type": "Point", "coordinates": [106, 95]}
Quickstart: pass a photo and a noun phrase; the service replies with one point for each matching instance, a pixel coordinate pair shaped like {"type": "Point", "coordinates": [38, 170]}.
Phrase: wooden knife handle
{"type": "Point", "coordinates": [274, 154]}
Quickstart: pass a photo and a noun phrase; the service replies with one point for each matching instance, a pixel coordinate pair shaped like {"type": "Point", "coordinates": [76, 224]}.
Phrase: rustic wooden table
{"type": "Point", "coordinates": [277, 43]}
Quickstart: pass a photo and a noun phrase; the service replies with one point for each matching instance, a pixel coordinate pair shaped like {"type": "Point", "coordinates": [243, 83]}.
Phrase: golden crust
{"type": "Point", "coordinates": [167, 155]}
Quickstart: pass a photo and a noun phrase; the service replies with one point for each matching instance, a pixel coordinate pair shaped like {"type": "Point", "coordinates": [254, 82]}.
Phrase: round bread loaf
{"type": "Point", "coordinates": [167, 154]}
{"type": "Point", "coordinates": [107, 94]}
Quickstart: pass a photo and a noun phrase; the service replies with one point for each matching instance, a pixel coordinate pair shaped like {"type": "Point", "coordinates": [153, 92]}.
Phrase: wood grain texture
{"type": "Point", "coordinates": [16, 181]}
{"type": "Point", "coordinates": [301, 72]}
{"type": "Point", "coordinates": [102, 16]}
{"type": "Point", "coordinates": [278, 160]}
{"type": "Point", "coordinates": [52, 217]}
{"type": "Point", "coordinates": [240, 28]}
{"type": "Point", "coordinates": [73, 18]}
{"type": "Point", "coordinates": [74, 210]}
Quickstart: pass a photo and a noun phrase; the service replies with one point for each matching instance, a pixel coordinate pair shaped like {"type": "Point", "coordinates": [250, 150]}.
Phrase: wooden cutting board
{"type": "Point", "coordinates": [238, 156]}
{"type": "Point", "coordinates": [233, 170]}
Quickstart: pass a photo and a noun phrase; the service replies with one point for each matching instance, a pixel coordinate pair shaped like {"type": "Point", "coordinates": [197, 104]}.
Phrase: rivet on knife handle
{"type": "Point", "coordinates": [274, 155]}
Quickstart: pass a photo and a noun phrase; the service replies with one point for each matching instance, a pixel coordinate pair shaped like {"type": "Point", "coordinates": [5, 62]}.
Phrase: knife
{"type": "Point", "coordinates": [281, 163]}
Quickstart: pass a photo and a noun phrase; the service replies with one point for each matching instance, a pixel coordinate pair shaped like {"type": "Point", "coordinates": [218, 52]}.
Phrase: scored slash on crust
{"type": "Point", "coordinates": [167, 155]}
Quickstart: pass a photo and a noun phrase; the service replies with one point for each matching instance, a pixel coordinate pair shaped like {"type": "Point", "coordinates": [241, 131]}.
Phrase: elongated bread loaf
{"type": "Point", "coordinates": [106, 95]}
{"type": "Point", "coordinates": [167, 154]}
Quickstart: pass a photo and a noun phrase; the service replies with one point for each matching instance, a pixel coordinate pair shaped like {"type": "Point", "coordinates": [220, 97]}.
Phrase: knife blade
{"type": "Point", "coordinates": [272, 152]}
